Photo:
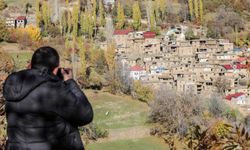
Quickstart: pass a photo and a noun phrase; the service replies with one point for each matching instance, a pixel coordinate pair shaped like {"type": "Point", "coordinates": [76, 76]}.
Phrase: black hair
{"type": "Point", "coordinates": [45, 58]}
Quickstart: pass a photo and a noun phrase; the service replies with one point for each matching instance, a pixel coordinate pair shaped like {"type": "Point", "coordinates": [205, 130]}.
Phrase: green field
{"type": "Point", "coordinates": [149, 143]}
{"type": "Point", "coordinates": [112, 112]}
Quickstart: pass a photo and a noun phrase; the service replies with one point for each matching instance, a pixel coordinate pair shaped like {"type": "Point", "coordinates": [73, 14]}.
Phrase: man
{"type": "Point", "coordinates": [44, 111]}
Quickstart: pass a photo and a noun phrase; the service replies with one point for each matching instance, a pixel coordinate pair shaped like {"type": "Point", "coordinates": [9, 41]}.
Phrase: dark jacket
{"type": "Point", "coordinates": [43, 112]}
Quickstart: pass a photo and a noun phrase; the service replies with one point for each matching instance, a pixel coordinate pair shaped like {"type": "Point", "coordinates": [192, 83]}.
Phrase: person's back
{"type": "Point", "coordinates": [44, 112]}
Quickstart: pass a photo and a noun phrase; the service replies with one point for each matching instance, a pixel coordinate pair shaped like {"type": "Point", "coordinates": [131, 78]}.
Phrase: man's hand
{"type": "Point", "coordinates": [67, 74]}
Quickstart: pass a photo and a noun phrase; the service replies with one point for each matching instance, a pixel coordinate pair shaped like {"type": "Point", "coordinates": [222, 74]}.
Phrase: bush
{"type": "Point", "coordinates": [93, 132]}
{"type": "Point", "coordinates": [142, 92]}
{"type": "Point", "coordinates": [4, 33]}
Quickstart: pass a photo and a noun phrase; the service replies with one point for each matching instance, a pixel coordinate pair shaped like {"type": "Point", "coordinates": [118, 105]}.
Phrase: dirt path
{"type": "Point", "coordinates": [126, 133]}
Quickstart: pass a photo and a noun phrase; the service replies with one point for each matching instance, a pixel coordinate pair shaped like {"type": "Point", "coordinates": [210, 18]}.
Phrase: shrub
{"type": "Point", "coordinates": [93, 132]}
{"type": "Point", "coordinates": [4, 33]}
{"type": "Point", "coordinates": [220, 135]}
{"type": "Point", "coordinates": [142, 93]}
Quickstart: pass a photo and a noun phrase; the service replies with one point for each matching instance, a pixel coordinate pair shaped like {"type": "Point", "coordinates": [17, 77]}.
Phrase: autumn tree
{"type": "Point", "coordinates": [196, 9]}
{"type": "Point", "coordinates": [34, 32]}
{"type": "Point", "coordinates": [201, 10]}
{"type": "Point", "coordinates": [94, 15]}
{"type": "Point", "coordinates": [45, 15]}
{"type": "Point", "coordinates": [63, 23]}
{"type": "Point", "coordinates": [136, 16]}
{"type": "Point", "coordinates": [4, 33]}
{"type": "Point", "coordinates": [191, 8]}
{"type": "Point", "coordinates": [75, 20]}
{"type": "Point", "coordinates": [120, 16]}
{"type": "Point", "coordinates": [101, 14]}
{"type": "Point", "coordinates": [3, 5]}
{"type": "Point", "coordinates": [142, 92]}
{"type": "Point", "coordinates": [69, 22]}
{"type": "Point", "coordinates": [82, 53]}
{"type": "Point", "coordinates": [38, 13]}
{"type": "Point", "coordinates": [110, 56]}
{"type": "Point", "coordinates": [161, 5]}
{"type": "Point", "coordinates": [152, 20]}
{"type": "Point", "coordinates": [112, 77]}
{"type": "Point", "coordinates": [87, 24]}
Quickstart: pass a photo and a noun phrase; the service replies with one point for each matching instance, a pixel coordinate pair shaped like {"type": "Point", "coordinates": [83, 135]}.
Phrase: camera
{"type": "Point", "coordinates": [60, 74]}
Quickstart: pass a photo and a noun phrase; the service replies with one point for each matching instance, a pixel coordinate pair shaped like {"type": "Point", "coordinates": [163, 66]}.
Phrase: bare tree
{"type": "Point", "coordinates": [176, 112]}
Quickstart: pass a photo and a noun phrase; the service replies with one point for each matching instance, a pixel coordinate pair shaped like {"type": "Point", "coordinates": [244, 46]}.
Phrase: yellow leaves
{"type": "Point", "coordinates": [143, 93]}
{"type": "Point", "coordinates": [109, 55]}
{"type": "Point", "coordinates": [31, 31]}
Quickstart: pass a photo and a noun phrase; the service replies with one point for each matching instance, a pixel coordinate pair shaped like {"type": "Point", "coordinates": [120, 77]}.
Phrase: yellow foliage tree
{"type": "Point", "coordinates": [109, 55]}
{"type": "Point", "coordinates": [33, 33]}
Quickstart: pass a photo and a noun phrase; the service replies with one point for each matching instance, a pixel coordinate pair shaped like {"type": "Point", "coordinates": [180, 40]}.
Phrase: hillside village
{"type": "Point", "coordinates": [203, 66]}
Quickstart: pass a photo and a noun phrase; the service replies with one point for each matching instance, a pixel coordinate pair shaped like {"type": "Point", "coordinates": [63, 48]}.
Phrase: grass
{"type": "Point", "coordinates": [112, 112]}
{"type": "Point", "coordinates": [149, 143]}
{"type": "Point", "coordinates": [21, 59]}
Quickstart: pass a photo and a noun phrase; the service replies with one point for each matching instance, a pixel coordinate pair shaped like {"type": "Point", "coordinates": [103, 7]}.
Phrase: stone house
{"type": "Point", "coordinates": [237, 98]}
{"type": "Point", "coordinates": [10, 22]}
{"type": "Point", "coordinates": [21, 22]}
{"type": "Point", "coordinates": [136, 72]}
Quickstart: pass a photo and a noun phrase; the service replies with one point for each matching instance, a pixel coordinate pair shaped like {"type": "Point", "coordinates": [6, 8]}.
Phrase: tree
{"type": "Point", "coordinates": [87, 25]}
{"type": "Point", "coordinates": [191, 8]}
{"type": "Point", "coordinates": [152, 21]}
{"type": "Point", "coordinates": [109, 55]}
{"type": "Point", "coordinates": [34, 32]}
{"type": "Point", "coordinates": [162, 9]}
{"type": "Point", "coordinates": [3, 5]}
{"type": "Point", "coordinates": [75, 20]}
{"type": "Point", "coordinates": [136, 16]}
{"type": "Point", "coordinates": [82, 53]}
{"type": "Point", "coordinates": [94, 16]}
{"type": "Point", "coordinates": [201, 10]}
{"type": "Point", "coordinates": [63, 23]}
{"type": "Point", "coordinates": [45, 15]}
{"type": "Point", "coordinates": [4, 33]}
{"type": "Point", "coordinates": [120, 16]}
{"type": "Point", "coordinates": [196, 9]}
{"type": "Point", "coordinates": [38, 13]}
{"type": "Point", "coordinates": [69, 21]}
{"type": "Point", "coordinates": [176, 112]}
{"type": "Point", "coordinates": [102, 19]}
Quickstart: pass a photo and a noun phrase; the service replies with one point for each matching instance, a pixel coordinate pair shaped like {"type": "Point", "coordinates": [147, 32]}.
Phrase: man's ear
{"type": "Point", "coordinates": [29, 66]}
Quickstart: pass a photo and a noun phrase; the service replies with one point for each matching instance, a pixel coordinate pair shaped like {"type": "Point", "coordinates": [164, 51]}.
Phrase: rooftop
{"type": "Point", "coordinates": [136, 68]}
{"type": "Point", "coordinates": [123, 32]}
{"type": "Point", "coordinates": [21, 18]}
{"type": "Point", "coordinates": [236, 95]}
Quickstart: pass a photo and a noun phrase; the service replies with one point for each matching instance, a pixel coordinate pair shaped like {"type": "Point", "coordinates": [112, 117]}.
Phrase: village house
{"type": "Point", "coordinates": [21, 22]}
{"type": "Point", "coordinates": [136, 72]}
{"type": "Point", "coordinates": [192, 66]}
{"type": "Point", "coordinates": [11, 22]}
{"type": "Point", "coordinates": [237, 98]}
